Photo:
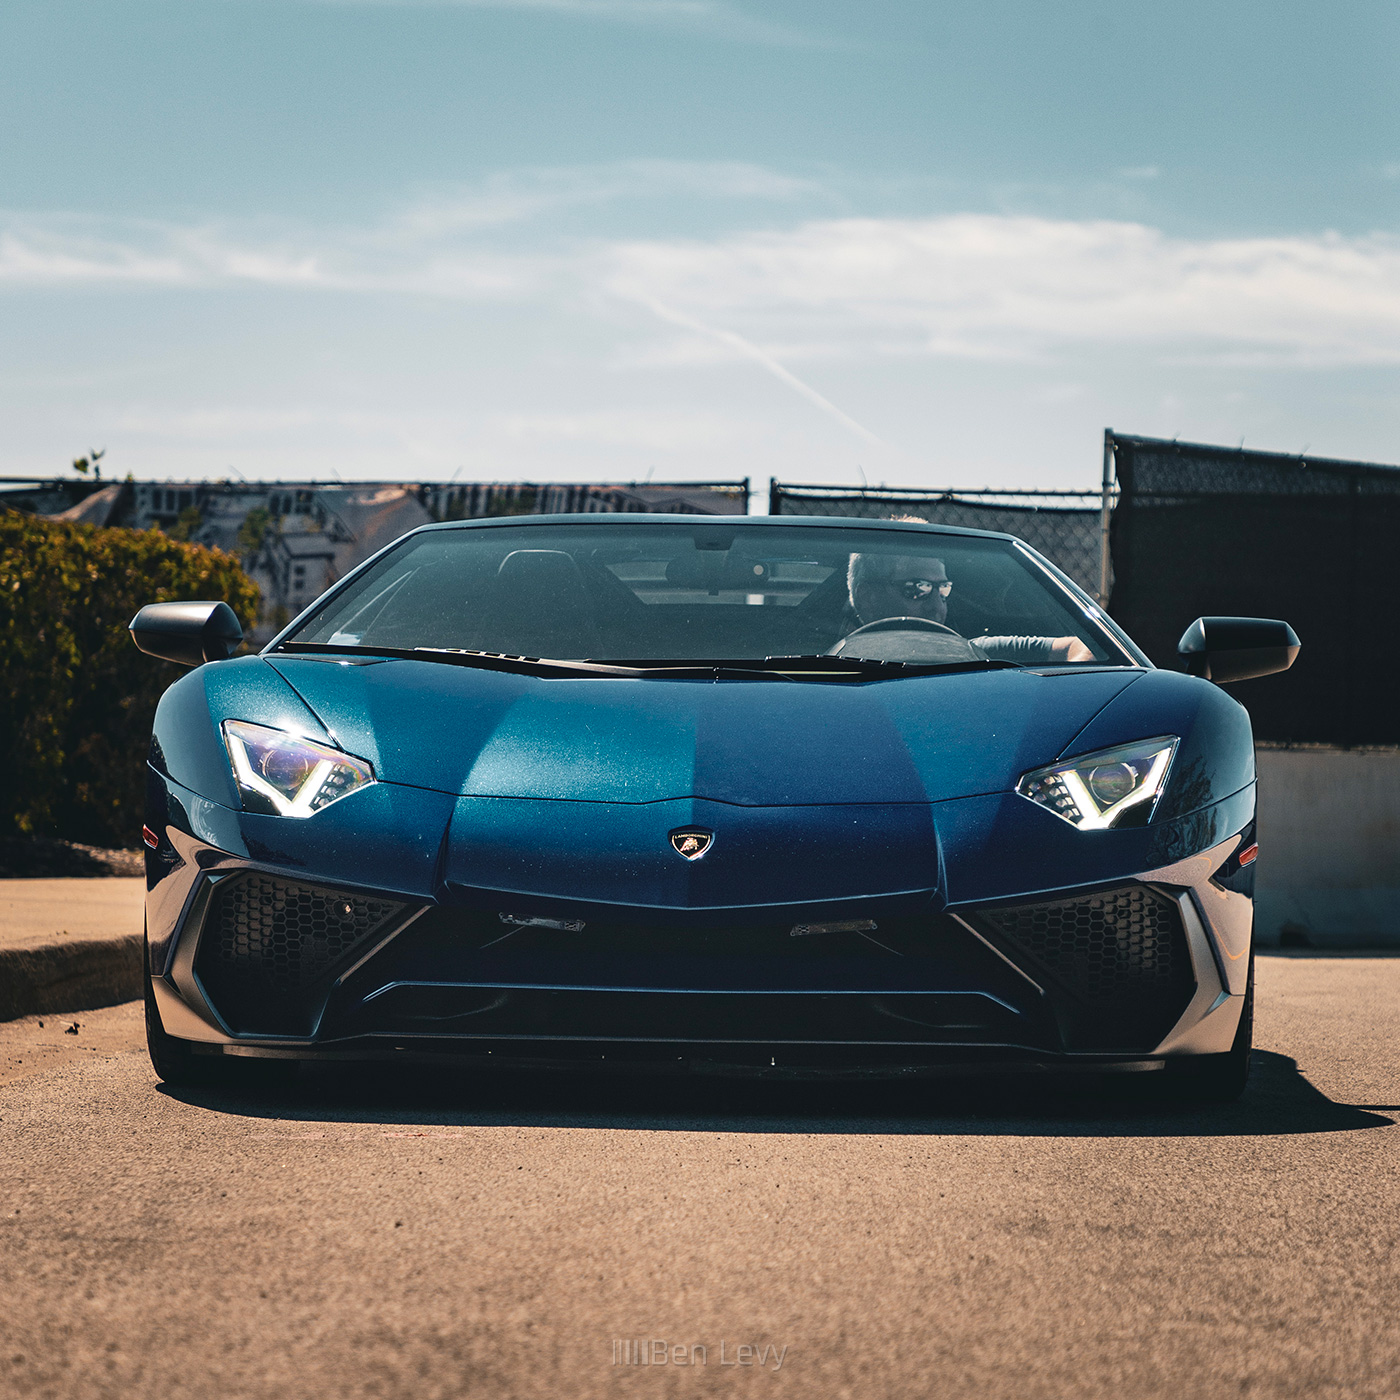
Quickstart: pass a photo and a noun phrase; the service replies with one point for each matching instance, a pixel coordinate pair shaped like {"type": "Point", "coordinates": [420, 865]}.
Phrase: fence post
{"type": "Point", "coordinates": [1105, 518]}
{"type": "Point", "coordinates": [775, 497]}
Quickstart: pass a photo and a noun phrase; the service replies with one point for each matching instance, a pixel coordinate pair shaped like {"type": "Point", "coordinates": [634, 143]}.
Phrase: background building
{"type": "Point", "coordinates": [295, 539]}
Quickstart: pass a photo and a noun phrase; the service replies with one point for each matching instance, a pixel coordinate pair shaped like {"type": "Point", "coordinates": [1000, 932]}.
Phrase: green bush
{"type": "Point", "coordinates": [76, 697]}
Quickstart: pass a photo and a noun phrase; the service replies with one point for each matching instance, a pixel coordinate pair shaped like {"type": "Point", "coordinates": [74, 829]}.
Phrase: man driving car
{"type": "Point", "coordinates": [889, 586]}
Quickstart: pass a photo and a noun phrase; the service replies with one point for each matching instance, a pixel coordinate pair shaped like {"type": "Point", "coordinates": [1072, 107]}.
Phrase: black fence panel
{"type": "Point", "coordinates": [1064, 526]}
{"type": "Point", "coordinates": [1202, 531]}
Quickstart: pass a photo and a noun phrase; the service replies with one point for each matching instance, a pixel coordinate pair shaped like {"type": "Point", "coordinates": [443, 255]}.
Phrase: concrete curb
{"type": "Point", "coordinates": [78, 974]}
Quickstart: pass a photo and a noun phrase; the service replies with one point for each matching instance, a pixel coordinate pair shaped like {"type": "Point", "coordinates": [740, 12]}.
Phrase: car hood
{"type": "Point", "coordinates": [759, 743]}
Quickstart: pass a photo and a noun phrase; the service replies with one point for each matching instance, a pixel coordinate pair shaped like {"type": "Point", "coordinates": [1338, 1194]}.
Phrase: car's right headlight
{"type": "Point", "coordinates": [283, 775]}
{"type": "Point", "coordinates": [1112, 787]}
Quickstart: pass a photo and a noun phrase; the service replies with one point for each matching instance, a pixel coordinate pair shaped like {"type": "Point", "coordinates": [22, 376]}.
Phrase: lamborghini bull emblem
{"type": "Point", "coordinates": [692, 841]}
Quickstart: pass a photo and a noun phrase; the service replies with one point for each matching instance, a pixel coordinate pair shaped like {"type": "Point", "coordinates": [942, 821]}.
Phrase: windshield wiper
{"type": "Point", "coordinates": [869, 666]}
{"type": "Point", "coordinates": [769, 668]}
{"type": "Point", "coordinates": [543, 665]}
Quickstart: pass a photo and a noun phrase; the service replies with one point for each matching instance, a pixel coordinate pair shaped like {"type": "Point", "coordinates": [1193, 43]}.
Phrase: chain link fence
{"type": "Point", "coordinates": [473, 500]}
{"type": "Point", "coordinates": [1065, 526]}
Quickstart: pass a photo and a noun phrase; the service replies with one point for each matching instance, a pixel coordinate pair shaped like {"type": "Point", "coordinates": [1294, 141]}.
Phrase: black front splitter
{"type": "Point", "coordinates": [780, 1061]}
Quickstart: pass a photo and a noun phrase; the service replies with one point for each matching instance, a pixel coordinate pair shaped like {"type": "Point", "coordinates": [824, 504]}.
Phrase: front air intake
{"type": "Point", "coordinates": [1115, 964]}
{"type": "Point", "coordinates": [270, 949]}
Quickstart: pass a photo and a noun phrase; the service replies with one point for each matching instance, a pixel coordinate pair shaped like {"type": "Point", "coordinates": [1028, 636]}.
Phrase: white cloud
{"type": "Point", "coordinates": [436, 245]}
{"type": "Point", "coordinates": [38, 252]}
{"type": "Point", "coordinates": [987, 286]}
{"type": "Point", "coordinates": [976, 286]}
{"type": "Point", "coordinates": [68, 251]}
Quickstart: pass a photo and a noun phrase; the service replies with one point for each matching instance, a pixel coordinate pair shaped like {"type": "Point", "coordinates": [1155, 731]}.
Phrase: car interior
{"type": "Point", "coordinates": [586, 592]}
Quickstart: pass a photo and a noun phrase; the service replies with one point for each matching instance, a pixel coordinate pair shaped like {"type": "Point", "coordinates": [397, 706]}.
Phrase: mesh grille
{"type": "Point", "coordinates": [1127, 941]}
{"type": "Point", "coordinates": [289, 934]}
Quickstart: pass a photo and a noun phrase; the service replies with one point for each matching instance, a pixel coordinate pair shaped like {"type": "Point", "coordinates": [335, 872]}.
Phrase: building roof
{"type": "Point", "coordinates": [310, 544]}
{"type": "Point", "coordinates": [373, 516]}
{"type": "Point", "coordinates": [96, 509]}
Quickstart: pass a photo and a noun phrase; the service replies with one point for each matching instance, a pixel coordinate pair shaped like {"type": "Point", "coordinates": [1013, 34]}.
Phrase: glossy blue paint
{"type": "Point", "coordinates": [384, 837]}
{"type": "Point", "coordinates": [413, 720]}
{"type": "Point", "coordinates": [566, 790]}
{"type": "Point", "coordinates": [619, 854]}
{"type": "Point", "coordinates": [170, 804]}
{"type": "Point", "coordinates": [1216, 755]}
{"type": "Point", "coordinates": [1002, 847]}
{"type": "Point", "coordinates": [984, 730]}
{"type": "Point", "coordinates": [755, 743]}
{"type": "Point", "coordinates": [187, 745]}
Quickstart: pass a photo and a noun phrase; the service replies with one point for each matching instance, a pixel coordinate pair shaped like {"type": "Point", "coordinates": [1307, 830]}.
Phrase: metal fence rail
{"type": "Point", "coordinates": [1067, 527]}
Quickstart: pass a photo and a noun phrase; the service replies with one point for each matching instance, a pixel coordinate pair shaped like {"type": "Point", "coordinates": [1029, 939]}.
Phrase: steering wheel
{"type": "Point", "coordinates": [895, 624]}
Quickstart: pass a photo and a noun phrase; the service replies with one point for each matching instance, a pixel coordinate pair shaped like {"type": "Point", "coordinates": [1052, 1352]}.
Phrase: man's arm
{"type": "Point", "coordinates": [1034, 651]}
{"type": "Point", "coordinates": [1070, 649]}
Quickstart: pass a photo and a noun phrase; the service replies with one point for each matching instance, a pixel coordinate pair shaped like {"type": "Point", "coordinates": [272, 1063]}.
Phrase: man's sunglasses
{"type": "Point", "coordinates": [916, 590]}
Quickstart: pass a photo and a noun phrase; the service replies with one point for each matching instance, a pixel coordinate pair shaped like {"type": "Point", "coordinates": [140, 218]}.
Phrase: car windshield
{"type": "Point", "coordinates": [634, 591]}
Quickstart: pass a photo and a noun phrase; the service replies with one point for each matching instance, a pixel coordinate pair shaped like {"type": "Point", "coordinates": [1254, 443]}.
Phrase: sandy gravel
{"type": "Point", "coordinates": [40, 911]}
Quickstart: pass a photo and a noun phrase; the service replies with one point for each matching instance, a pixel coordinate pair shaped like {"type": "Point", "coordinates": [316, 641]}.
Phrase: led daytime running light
{"type": "Point", "coordinates": [1067, 789]}
{"type": "Point", "coordinates": [285, 775]}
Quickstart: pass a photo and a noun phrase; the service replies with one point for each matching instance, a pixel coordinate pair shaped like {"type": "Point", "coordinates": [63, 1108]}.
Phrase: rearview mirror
{"type": "Point", "coordinates": [187, 633]}
{"type": "Point", "coordinates": [1224, 649]}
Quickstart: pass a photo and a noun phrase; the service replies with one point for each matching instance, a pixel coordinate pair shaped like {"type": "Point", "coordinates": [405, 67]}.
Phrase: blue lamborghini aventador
{"type": "Point", "coordinates": [751, 796]}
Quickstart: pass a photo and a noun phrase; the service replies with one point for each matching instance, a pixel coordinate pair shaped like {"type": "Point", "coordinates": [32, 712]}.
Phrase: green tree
{"type": "Point", "coordinates": [190, 519]}
{"type": "Point", "coordinates": [76, 697]}
{"type": "Point", "coordinates": [252, 532]}
{"type": "Point", "coordinates": [83, 465]}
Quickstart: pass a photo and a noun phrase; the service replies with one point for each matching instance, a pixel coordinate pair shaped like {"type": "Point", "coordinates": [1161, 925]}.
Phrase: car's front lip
{"type": "Point", "coordinates": [757, 1060]}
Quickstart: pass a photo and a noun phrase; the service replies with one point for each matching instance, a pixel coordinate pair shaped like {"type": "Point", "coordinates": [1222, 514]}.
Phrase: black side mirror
{"type": "Point", "coordinates": [1224, 649]}
{"type": "Point", "coordinates": [187, 633]}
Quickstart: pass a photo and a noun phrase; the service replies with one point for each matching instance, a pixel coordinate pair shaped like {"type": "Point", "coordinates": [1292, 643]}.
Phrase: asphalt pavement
{"type": "Point", "coordinates": [400, 1234]}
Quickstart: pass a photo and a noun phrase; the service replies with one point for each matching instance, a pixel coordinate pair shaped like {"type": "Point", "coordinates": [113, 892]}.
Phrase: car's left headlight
{"type": "Point", "coordinates": [1113, 787]}
{"type": "Point", "coordinates": [284, 775]}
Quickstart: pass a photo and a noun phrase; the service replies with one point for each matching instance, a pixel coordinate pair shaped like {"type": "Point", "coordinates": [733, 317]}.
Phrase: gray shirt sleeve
{"type": "Point", "coordinates": [1026, 651]}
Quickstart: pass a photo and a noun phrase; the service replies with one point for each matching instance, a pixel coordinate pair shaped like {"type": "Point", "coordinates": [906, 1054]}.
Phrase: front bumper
{"type": "Point", "coordinates": [253, 957]}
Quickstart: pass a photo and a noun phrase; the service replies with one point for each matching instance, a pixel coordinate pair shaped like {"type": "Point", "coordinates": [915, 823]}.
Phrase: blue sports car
{"type": "Point", "coordinates": [750, 796]}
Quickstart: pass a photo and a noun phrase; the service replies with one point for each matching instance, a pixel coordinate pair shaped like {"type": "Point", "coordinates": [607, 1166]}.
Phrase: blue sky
{"type": "Point", "coordinates": [601, 239]}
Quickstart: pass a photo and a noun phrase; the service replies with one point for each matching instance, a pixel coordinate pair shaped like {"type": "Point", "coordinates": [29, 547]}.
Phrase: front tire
{"type": "Point", "coordinates": [177, 1063]}
{"type": "Point", "coordinates": [1218, 1079]}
